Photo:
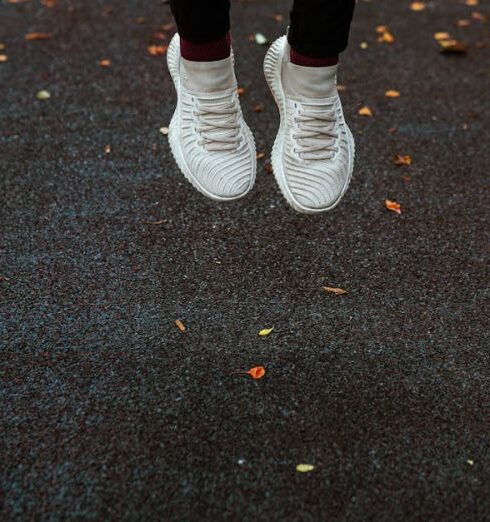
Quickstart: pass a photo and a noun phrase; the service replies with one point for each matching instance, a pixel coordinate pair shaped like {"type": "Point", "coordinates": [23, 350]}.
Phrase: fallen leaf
{"type": "Point", "coordinates": [380, 29]}
{"type": "Point", "coordinates": [333, 290]}
{"type": "Point", "coordinates": [462, 23]}
{"type": "Point", "coordinates": [406, 179]}
{"type": "Point", "coordinates": [2, 46]}
{"type": "Point", "coordinates": [364, 45]}
{"type": "Point", "coordinates": [453, 46]}
{"type": "Point", "coordinates": [268, 168]}
{"type": "Point", "coordinates": [180, 325]}
{"type": "Point", "coordinates": [476, 15]}
{"type": "Point", "coordinates": [257, 372]}
{"type": "Point", "coordinates": [265, 332]}
{"type": "Point", "coordinates": [417, 6]}
{"type": "Point", "coordinates": [240, 91]}
{"type": "Point", "coordinates": [392, 94]}
{"type": "Point", "coordinates": [48, 3]}
{"type": "Point", "coordinates": [305, 468]}
{"type": "Point", "coordinates": [258, 108]}
{"type": "Point", "coordinates": [157, 50]}
{"type": "Point", "coordinates": [105, 63]}
{"type": "Point", "coordinates": [164, 130]}
{"type": "Point", "coordinates": [386, 37]}
{"type": "Point", "coordinates": [470, 462]}
{"type": "Point", "coordinates": [3, 58]}
{"type": "Point", "coordinates": [442, 36]}
{"type": "Point", "coordinates": [107, 149]}
{"type": "Point", "coordinates": [159, 36]}
{"type": "Point", "coordinates": [472, 2]}
{"type": "Point", "coordinates": [341, 88]}
{"type": "Point", "coordinates": [402, 159]}
{"type": "Point", "coordinates": [365, 111]}
{"type": "Point", "coordinates": [391, 130]}
{"type": "Point", "coordinates": [43, 95]}
{"type": "Point", "coordinates": [38, 36]}
{"type": "Point", "coordinates": [260, 155]}
{"type": "Point", "coordinates": [393, 206]}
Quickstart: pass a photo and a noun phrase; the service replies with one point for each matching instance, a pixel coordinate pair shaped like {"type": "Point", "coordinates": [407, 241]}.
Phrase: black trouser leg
{"type": "Point", "coordinates": [320, 28]}
{"type": "Point", "coordinates": [201, 20]}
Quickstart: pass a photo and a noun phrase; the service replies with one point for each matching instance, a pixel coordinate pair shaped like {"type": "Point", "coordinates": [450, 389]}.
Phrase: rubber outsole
{"type": "Point", "coordinates": [272, 72]}
{"type": "Point", "coordinates": [173, 56]}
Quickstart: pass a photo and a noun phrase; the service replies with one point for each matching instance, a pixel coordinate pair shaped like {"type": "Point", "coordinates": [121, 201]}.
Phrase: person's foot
{"type": "Point", "coordinates": [313, 155]}
{"type": "Point", "coordinates": [212, 144]}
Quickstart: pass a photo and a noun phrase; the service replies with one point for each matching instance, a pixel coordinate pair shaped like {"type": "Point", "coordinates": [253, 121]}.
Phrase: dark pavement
{"type": "Point", "coordinates": [109, 412]}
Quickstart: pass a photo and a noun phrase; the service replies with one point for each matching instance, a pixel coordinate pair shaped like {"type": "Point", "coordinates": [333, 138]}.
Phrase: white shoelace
{"type": "Point", "coordinates": [316, 135]}
{"type": "Point", "coordinates": [219, 126]}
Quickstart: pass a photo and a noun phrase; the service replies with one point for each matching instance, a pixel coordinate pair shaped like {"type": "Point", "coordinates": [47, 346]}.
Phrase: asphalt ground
{"type": "Point", "coordinates": [110, 412]}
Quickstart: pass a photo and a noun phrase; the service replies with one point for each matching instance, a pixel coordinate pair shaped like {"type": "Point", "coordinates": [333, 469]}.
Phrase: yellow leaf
{"type": "Point", "coordinates": [442, 36]}
{"type": "Point", "coordinates": [265, 332]}
{"type": "Point", "coordinates": [305, 468]}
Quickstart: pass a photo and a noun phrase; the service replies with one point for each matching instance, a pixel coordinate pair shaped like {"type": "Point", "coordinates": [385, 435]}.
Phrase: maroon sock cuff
{"type": "Point", "coordinates": [206, 51]}
{"type": "Point", "coordinates": [308, 61]}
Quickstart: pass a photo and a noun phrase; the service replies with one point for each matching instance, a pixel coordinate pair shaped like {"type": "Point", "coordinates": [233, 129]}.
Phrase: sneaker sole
{"type": "Point", "coordinates": [272, 71]}
{"type": "Point", "coordinates": [173, 55]}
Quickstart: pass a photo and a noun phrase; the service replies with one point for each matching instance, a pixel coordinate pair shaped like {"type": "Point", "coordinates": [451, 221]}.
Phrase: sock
{"type": "Point", "coordinates": [206, 51]}
{"type": "Point", "coordinates": [308, 61]}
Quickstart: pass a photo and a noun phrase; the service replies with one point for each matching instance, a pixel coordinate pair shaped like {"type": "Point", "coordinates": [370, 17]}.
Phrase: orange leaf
{"type": "Point", "coordinates": [38, 36]}
{"type": "Point", "coordinates": [393, 206]}
{"type": "Point", "coordinates": [257, 372]}
{"type": "Point", "coordinates": [442, 36]}
{"type": "Point", "coordinates": [157, 50]}
{"type": "Point", "coordinates": [400, 159]}
{"type": "Point", "coordinates": [392, 94]}
{"type": "Point", "coordinates": [180, 325]}
{"type": "Point", "coordinates": [365, 111]}
{"type": "Point", "coordinates": [105, 63]}
{"type": "Point", "coordinates": [417, 6]}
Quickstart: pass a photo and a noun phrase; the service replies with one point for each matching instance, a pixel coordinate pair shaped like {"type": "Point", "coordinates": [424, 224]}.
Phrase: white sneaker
{"type": "Point", "coordinates": [313, 155]}
{"type": "Point", "coordinates": [212, 144]}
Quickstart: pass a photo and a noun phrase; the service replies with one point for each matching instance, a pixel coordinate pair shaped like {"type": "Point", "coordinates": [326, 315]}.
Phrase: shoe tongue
{"type": "Point", "coordinates": [309, 82]}
{"type": "Point", "coordinates": [208, 77]}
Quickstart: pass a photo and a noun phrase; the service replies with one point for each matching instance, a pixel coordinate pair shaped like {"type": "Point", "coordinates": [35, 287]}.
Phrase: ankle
{"type": "Point", "coordinates": [309, 61]}
{"type": "Point", "coordinates": [212, 51]}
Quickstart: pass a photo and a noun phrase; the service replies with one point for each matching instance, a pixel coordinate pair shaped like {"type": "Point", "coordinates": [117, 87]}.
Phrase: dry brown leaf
{"type": "Point", "coordinates": [333, 290]}
{"type": "Point", "coordinates": [393, 206]}
{"type": "Point", "coordinates": [258, 108]}
{"type": "Point", "coordinates": [453, 46]}
{"type": "Point", "coordinates": [462, 23]}
{"type": "Point", "coordinates": [3, 58]}
{"type": "Point", "coordinates": [105, 63]}
{"type": "Point", "coordinates": [260, 155]}
{"type": "Point", "coordinates": [240, 91]}
{"type": "Point", "coordinates": [48, 3]}
{"type": "Point", "coordinates": [476, 15]}
{"type": "Point", "coordinates": [380, 29]}
{"type": "Point", "coordinates": [472, 2]}
{"type": "Point", "coordinates": [276, 17]}
{"type": "Point", "coordinates": [386, 37]}
{"type": "Point", "coordinates": [341, 88]}
{"type": "Point", "coordinates": [107, 149]}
